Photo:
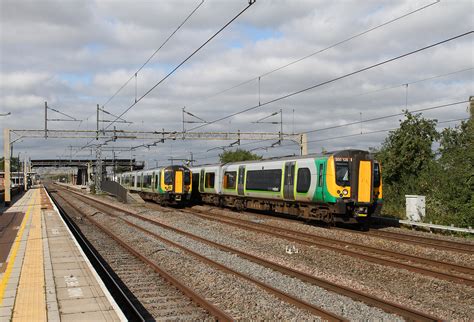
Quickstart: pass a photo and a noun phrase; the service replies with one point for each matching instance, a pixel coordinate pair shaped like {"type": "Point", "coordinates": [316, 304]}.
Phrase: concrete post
{"type": "Point", "coordinates": [6, 158]}
{"type": "Point", "coordinates": [304, 144]}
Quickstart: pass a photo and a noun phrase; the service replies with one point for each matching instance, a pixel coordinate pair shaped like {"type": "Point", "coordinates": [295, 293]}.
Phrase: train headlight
{"type": "Point", "coordinates": [345, 192]}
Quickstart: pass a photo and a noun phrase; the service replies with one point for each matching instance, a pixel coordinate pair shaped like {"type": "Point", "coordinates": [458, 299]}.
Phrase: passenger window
{"type": "Point", "coordinates": [320, 175]}
{"type": "Point", "coordinates": [230, 179]}
{"type": "Point", "coordinates": [210, 177]}
{"type": "Point", "coordinates": [304, 180]}
{"type": "Point", "coordinates": [264, 180]}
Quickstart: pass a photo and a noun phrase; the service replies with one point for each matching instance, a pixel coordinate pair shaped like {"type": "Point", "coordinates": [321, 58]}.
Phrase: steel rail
{"type": "Point", "coordinates": [387, 306]}
{"type": "Point", "coordinates": [129, 309]}
{"type": "Point", "coordinates": [271, 230]}
{"type": "Point", "coordinates": [274, 291]}
{"type": "Point", "coordinates": [339, 289]}
{"type": "Point", "coordinates": [354, 245]}
{"type": "Point", "coordinates": [195, 297]}
{"type": "Point", "coordinates": [425, 241]}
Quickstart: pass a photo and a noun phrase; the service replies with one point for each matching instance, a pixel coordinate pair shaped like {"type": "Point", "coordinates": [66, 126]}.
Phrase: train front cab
{"type": "Point", "coordinates": [175, 184]}
{"type": "Point", "coordinates": [354, 179]}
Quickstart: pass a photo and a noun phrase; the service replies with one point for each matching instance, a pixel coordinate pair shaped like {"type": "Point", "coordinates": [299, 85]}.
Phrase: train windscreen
{"type": "Point", "coordinates": [342, 173]}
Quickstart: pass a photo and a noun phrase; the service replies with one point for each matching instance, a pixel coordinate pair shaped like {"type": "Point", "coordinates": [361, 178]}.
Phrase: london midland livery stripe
{"type": "Point", "coordinates": [16, 245]}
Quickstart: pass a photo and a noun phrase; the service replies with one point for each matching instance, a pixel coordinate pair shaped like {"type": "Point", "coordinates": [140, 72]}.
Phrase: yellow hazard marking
{"type": "Point", "coordinates": [16, 245]}
{"type": "Point", "coordinates": [365, 181]}
{"type": "Point", "coordinates": [30, 302]}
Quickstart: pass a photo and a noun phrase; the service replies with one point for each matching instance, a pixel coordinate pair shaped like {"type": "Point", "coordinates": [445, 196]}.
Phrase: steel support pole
{"type": "Point", "coordinates": [97, 133]}
{"type": "Point", "coordinates": [45, 120]}
{"type": "Point", "coordinates": [6, 158]}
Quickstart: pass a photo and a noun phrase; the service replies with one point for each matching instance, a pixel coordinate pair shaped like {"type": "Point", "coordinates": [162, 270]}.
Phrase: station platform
{"type": "Point", "coordinates": [44, 275]}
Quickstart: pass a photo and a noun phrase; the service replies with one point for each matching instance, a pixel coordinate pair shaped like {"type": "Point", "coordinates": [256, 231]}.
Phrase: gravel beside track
{"type": "Point", "coordinates": [329, 301]}
{"type": "Point", "coordinates": [350, 236]}
{"type": "Point", "coordinates": [452, 301]}
{"type": "Point", "coordinates": [439, 298]}
{"type": "Point", "coordinates": [161, 300]}
{"type": "Point", "coordinates": [239, 298]}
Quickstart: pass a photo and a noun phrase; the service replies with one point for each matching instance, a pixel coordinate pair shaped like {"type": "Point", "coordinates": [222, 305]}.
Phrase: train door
{"type": "Point", "coordinates": [320, 183]}
{"type": "Point", "coordinates": [201, 181]}
{"type": "Point", "coordinates": [289, 182]}
{"type": "Point", "coordinates": [241, 181]}
{"type": "Point", "coordinates": [362, 179]}
{"type": "Point", "coordinates": [178, 181]}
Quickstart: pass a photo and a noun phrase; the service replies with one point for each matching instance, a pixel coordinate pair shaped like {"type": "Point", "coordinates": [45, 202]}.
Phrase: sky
{"type": "Point", "coordinates": [76, 54]}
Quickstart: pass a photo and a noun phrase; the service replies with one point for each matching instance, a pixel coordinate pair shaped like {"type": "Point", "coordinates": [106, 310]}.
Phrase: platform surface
{"type": "Point", "coordinates": [44, 275]}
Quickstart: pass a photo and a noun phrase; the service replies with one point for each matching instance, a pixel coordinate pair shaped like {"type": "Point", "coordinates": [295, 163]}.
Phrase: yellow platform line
{"type": "Point", "coordinates": [16, 245]}
{"type": "Point", "coordinates": [30, 302]}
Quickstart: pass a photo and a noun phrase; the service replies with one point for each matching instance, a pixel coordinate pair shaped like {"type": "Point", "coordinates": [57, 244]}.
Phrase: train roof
{"type": "Point", "coordinates": [341, 153]}
{"type": "Point", "coordinates": [174, 167]}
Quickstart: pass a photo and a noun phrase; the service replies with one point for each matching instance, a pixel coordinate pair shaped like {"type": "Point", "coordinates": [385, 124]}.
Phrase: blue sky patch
{"type": "Point", "coordinates": [75, 79]}
{"type": "Point", "coordinates": [94, 47]}
{"type": "Point", "coordinates": [254, 34]}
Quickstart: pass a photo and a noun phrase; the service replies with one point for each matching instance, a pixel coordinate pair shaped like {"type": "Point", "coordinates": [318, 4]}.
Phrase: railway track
{"type": "Point", "coordinates": [424, 241]}
{"type": "Point", "coordinates": [428, 242]}
{"type": "Point", "coordinates": [160, 294]}
{"type": "Point", "coordinates": [311, 308]}
{"type": "Point", "coordinates": [463, 274]}
{"type": "Point", "coordinates": [357, 295]}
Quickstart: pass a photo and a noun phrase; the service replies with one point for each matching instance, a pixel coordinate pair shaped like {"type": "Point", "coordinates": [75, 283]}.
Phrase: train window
{"type": "Point", "coordinates": [376, 175]}
{"type": "Point", "coordinates": [230, 179]}
{"type": "Point", "coordinates": [157, 181]}
{"type": "Point", "coordinates": [320, 176]}
{"type": "Point", "coordinates": [342, 173]}
{"type": "Point", "coordinates": [304, 180]}
{"type": "Point", "coordinates": [210, 178]}
{"type": "Point", "coordinates": [147, 181]}
{"type": "Point", "coordinates": [168, 176]}
{"type": "Point", "coordinates": [187, 177]}
{"type": "Point", "coordinates": [265, 180]}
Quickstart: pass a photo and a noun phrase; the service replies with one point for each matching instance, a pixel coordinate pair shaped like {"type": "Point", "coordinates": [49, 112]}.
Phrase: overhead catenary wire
{"type": "Point", "coordinates": [251, 2]}
{"type": "Point", "coordinates": [318, 51]}
{"type": "Point", "coordinates": [341, 136]}
{"type": "Point", "coordinates": [429, 108]}
{"type": "Point", "coordinates": [134, 75]}
{"type": "Point", "coordinates": [370, 92]}
{"type": "Point", "coordinates": [333, 80]}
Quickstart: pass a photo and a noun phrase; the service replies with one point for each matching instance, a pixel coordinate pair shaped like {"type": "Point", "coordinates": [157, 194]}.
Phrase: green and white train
{"type": "Point", "coordinates": [339, 186]}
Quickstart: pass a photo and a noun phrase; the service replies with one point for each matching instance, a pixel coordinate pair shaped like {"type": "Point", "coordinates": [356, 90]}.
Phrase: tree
{"type": "Point", "coordinates": [14, 164]}
{"type": "Point", "coordinates": [407, 158]}
{"type": "Point", "coordinates": [238, 155]}
{"type": "Point", "coordinates": [453, 188]}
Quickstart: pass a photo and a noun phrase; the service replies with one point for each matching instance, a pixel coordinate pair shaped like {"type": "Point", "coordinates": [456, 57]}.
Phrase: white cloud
{"type": "Point", "coordinates": [76, 54]}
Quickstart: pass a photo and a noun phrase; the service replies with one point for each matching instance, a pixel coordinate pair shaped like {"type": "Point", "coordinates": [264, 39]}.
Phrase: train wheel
{"type": "Point", "coordinates": [239, 205]}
